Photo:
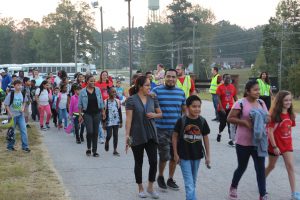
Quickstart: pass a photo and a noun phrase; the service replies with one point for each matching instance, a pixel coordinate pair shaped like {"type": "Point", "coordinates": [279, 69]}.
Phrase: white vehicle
{"type": "Point", "coordinates": [93, 70]}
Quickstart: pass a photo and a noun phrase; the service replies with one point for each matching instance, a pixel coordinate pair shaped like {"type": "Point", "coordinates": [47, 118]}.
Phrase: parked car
{"type": "Point", "coordinates": [120, 77]}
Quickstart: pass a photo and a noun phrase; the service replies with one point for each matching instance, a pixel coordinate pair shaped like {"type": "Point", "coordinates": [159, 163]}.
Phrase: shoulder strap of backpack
{"type": "Point", "coordinates": [118, 103]}
{"type": "Point", "coordinates": [241, 106]}
{"type": "Point", "coordinates": [183, 120]}
{"type": "Point", "coordinates": [260, 102]}
{"type": "Point", "coordinates": [12, 95]}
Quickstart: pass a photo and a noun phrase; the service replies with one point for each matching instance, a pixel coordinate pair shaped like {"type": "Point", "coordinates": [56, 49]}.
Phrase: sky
{"type": "Point", "coordinates": [245, 13]}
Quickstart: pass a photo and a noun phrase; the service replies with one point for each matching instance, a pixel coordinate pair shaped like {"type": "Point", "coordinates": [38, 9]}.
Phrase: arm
{"type": "Point", "coordinates": [71, 107]}
{"type": "Point", "coordinates": [193, 90]}
{"type": "Point", "coordinates": [207, 149]}
{"type": "Point", "coordinates": [174, 143]}
{"type": "Point", "coordinates": [220, 103]}
{"type": "Point", "coordinates": [234, 118]}
{"type": "Point", "coordinates": [272, 141]}
{"type": "Point", "coordinates": [183, 109]}
{"type": "Point", "coordinates": [128, 127]}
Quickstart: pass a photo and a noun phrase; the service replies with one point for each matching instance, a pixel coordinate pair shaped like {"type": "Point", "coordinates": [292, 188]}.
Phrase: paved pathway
{"type": "Point", "coordinates": [108, 177]}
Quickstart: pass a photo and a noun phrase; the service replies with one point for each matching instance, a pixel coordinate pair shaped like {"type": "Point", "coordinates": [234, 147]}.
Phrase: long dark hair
{"type": "Point", "coordinates": [139, 82]}
{"type": "Point", "coordinates": [267, 80]}
{"type": "Point", "coordinates": [107, 81]}
{"type": "Point", "coordinates": [249, 85]}
{"type": "Point", "coordinates": [277, 106]}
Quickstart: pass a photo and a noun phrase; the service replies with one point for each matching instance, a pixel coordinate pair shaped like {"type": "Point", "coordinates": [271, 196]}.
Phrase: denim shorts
{"type": "Point", "coordinates": [165, 147]}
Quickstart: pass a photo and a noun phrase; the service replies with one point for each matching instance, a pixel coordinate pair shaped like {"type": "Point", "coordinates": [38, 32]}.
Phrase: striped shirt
{"type": "Point", "coordinates": [170, 101]}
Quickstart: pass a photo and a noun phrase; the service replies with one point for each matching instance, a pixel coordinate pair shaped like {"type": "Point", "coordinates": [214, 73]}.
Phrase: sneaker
{"type": "Point", "coordinates": [28, 126]}
{"type": "Point", "coordinates": [266, 197]}
{"type": "Point", "coordinates": [60, 126]}
{"type": "Point", "coordinates": [153, 194]}
{"type": "Point", "coordinates": [116, 153]}
{"type": "Point", "coordinates": [142, 195]}
{"type": "Point", "coordinates": [101, 141]}
{"type": "Point", "coordinates": [95, 155]}
{"type": "Point", "coordinates": [295, 196]}
{"type": "Point", "coordinates": [78, 141]}
{"type": "Point", "coordinates": [215, 119]}
{"type": "Point", "coordinates": [172, 184]}
{"type": "Point", "coordinates": [233, 194]}
{"type": "Point", "coordinates": [43, 128]}
{"type": "Point", "coordinates": [161, 182]}
{"type": "Point", "coordinates": [11, 149]}
{"type": "Point", "coordinates": [231, 143]}
{"type": "Point", "coordinates": [106, 147]}
{"type": "Point", "coordinates": [88, 152]}
{"type": "Point", "coordinates": [27, 150]}
{"type": "Point", "coordinates": [219, 137]}
{"type": "Point", "coordinates": [47, 126]}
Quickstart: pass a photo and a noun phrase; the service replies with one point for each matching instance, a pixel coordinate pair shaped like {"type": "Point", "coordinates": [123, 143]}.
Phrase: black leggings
{"type": "Point", "coordinates": [223, 121]}
{"type": "Point", "coordinates": [112, 130]}
{"type": "Point", "coordinates": [138, 153]}
{"type": "Point", "coordinates": [92, 125]}
{"type": "Point", "coordinates": [267, 100]}
{"type": "Point", "coordinates": [243, 155]}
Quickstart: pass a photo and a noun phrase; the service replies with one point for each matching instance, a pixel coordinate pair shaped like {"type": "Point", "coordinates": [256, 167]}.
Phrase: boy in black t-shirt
{"type": "Point", "coordinates": [187, 144]}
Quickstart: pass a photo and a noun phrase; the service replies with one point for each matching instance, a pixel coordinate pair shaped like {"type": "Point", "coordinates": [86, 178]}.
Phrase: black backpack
{"type": "Point", "coordinates": [12, 95]}
{"type": "Point", "coordinates": [10, 135]}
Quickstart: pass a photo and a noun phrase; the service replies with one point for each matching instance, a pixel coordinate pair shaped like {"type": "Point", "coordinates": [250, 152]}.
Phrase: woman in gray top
{"type": "Point", "coordinates": [141, 110]}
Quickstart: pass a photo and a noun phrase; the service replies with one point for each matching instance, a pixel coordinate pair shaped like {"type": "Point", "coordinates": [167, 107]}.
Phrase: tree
{"type": "Point", "coordinates": [7, 26]}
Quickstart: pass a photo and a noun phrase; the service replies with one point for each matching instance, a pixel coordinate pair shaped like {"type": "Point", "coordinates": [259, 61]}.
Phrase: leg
{"type": "Point", "coordinates": [215, 102]}
{"type": "Point", "coordinates": [48, 112]}
{"type": "Point", "coordinates": [60, 117]}
{"type": "Point", "coordinates": [22, 125]}
{"type": "Point", "coordinates": [289, 164]}
{"type": "Point", "coordinates": [271, 164]}
{"type": "Point", "coordinates": [259, 164]}
{"type": "Point", "coordinates": [11, 143]}
{"type": "Point", "coordinates": [33, 112]}
{"type": "Point", "coordinates": [243, 154]}
{"type": "Point", "coordinates": [76, 126]}
{"type": "Point", "coordinates": [81, 132]}
{"type": "Point", "coordinates": [187, 173]}
{"type": "Point", "coordinates": [109, 131]}
{"type": "Point", "coordinates": [164, 151]}
{"type": "Point", "coordinates": [151, 150]}
{"type": "Point", "coordinates": [115, 133]}
{"type": "Point", "coordinates": [172, 163]}
{"type": "Point", "coordinates": [222, 120]}
{"type": "Point", "coordinates": [65, 114]}
{"type": "Point", "coordinates": [138, 154]}
{"type": "Point", "coordinates": [88, 121]}
{"type": "Point", "coordinates": [96, 121]}
{"type": "Point", "coordinates": [41, 111]}
{"type": "Point", "coordinates": [100, 131]}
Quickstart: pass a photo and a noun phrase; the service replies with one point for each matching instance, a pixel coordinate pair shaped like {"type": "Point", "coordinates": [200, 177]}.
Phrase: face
{"type": "Point", "coordinates": [50, 74]}
{"type": "Point", "coordinates": [18, 87]}
{"type": "Point", "coordinates": [32, 84]}
{"type": "Point", "coordinates": [179, 71]}
{"type": "Point", "coordinates": [254, 92]}
{"type": "Point", "coordinates": [146, 87]}
{"type": "Point", "coordinates": [263, 75]}
{"type": "Point", "coordinates": [56, 91]}
{"type": "Point", "coordinates": [158, 67]}
{"type": "Point", "coordinates": [77, 91]}
{"type": "Point", "coordinates": [35, 73]}
{"type": "Point", "coordinates": [195, 108]}
{"type": "Point", "coordinates": [28, 83]}
{"type": "Point", "coordinates": [287, 101]}
{"type": "Point", "coordinates": [49, 80]}
{"type": "Point", "coordinates": [91, 82]}
{"type": "Point", "coordinates": [112, 93]}
{"type": "Point", "coordinates": [213, 71]}
{"type": "Point", "coordinates": [47, 85]}
{"type": "Point", "coordinates": [64, 89]}
{"type": "Point", "coordinates": [227, 79]}
{"type": "Point", "coordinates": [104, 76]}
{"type": "Point", "coordinates": [118, 84]}
{"type": "Point", "coordinates": [149, 76]}
{"type": "Point", "coordinates": [80, 78]}
{"type": "Point", "coordinates": [170, 79]}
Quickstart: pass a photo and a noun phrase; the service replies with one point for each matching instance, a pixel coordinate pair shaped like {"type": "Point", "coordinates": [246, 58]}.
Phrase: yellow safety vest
{"type": "Point", "coordinates": [186, 86]}
{"type": "Point", "coordinates": [264, 88]}
{"type": "Point", "coordinates": [214, 84]}
{"type": "Point", "coordinates": [153, 80]}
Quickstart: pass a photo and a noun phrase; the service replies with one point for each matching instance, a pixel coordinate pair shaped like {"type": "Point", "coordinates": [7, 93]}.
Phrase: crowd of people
{"type": "Point", "coordinates": [163, 117]}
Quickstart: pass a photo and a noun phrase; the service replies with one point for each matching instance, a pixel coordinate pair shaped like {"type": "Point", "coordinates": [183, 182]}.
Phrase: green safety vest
{"type": "Point", "coordinates": [214, 84]}
{"type": "Point", "coordinates": [186, 86]}
{"type": "Point", "coordinates": [264, 88]}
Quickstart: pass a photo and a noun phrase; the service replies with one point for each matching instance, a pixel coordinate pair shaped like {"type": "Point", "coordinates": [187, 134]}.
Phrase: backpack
{"type": "Point", "coordinates": [12, 95]}
{"type": "Point", "coordinates": [10, 135]}
{"type": "Point", "coordinates": [2, 95]}
{"type": "Point", "coordinates": [233, 127]}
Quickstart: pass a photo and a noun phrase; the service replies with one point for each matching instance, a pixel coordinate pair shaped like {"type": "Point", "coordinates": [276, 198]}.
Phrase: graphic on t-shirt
{"type": "Point", "coordinates": [113, 114]}
{"type": "Point", "coordinates": [17, 104]}
{"type": "Point", "coordinates": [286, 128]}
{"type": "Point", "coordinates": [192, 133]}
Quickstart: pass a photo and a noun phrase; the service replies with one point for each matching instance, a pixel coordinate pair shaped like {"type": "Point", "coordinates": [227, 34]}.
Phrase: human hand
{"type": "Point", "coordinates": [176, 158]}
{"type": "Point", "coordinates": [121, 125]}
{"type": "Point", "coordinates": [207, 162]}
{"type": "Point", "coordinates": [151, 115]}
{"type": "Point", "coordinates": [276, 151]}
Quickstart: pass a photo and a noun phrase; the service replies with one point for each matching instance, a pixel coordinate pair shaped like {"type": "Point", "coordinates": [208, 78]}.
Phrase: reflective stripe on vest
{"type": "Point", "coordinates": [264, 88]}
{"type": "Point", "coordinates": [186, 86]}
{"type": "Point", "coordinates": [214, 84]}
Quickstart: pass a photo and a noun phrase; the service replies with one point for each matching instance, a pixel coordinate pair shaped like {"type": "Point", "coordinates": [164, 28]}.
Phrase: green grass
{"type": "Point", "coordinates": [28, 176]}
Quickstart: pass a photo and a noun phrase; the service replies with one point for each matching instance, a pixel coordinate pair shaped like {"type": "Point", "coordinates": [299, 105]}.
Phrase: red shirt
{"type": "Point", "coordinates": [226, 94]}
{"type": "Point", "coordinates": [83, 85]}
{"type": "Point", "coordinates": [192, 83]}
{"type": "Point", "coordinates": [103, 88]}
{"type": "Point", "coordinates": [282, 133]}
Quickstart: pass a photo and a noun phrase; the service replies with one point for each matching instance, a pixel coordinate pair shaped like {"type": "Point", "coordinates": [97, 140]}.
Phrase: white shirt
{"type": "Point", "coordinates": [63, 101]}
{"type": "Point", "coordinates": [43, 98]}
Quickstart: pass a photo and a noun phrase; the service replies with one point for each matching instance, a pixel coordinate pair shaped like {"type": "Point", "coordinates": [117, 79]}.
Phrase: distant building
{"type": "Point", "coordinates": [229, 63]}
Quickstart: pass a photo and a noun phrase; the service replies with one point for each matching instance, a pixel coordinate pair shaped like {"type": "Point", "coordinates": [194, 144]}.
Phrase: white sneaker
{"type": "Point", "coordinates": [153, 194]}
{"type": "Point", "coordinates": [101, 141]}
{"type": "Point", "coordinates": [142, 195]}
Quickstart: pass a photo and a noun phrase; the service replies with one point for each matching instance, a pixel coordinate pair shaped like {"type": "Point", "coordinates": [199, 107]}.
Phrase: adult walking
{"type": "Point", "coordinates": [185, 82]}
{"type": "Point", "coordinates": [90, 103]}
{"type": "Point", "coordinates": [159, 74]}
{"type": "Point", "coordinates": [36, 76]}
{"type": "Point", "coordinates": [215, 82]}
{"type": "Point", "coordinates": [6, 79]}
{"type": "Point", "coordinates": [245, 137]}
{"type": "Point", "coordinates": [172, 103]}
{"type": "Point", "coordinates": [265, 88]}
{"type": "Point", "coordinates": [141, 110]}
{"type": "Point", "coordinates": [226, 97]}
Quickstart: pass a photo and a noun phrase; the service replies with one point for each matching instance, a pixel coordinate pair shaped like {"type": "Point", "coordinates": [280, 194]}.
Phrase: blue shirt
{"type": "Point", "coordinates": [153, 85]}
{"type": "Point", "coordinates": [6, 80]}
{"type": "Point", "coordinates": [170, 101]}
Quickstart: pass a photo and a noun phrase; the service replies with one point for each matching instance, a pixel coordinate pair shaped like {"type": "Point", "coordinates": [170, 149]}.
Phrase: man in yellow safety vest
{"type": "Point", "coordinates": [185, 82]}
{"type": "Point", "coordinates": [215, 82]}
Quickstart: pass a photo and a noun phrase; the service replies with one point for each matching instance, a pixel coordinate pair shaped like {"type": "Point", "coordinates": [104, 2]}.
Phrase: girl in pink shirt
{"type": "Point", "coordinates": [239, 115]}
{"type": "Point", "coordinates": [74, 113]}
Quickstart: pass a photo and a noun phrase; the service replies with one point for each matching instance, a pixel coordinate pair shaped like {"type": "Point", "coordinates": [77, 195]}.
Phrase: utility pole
{"type": "Point", "coordinates": [281, 53]}
{"type": "Point", "coordinates": [75, 39]}
{"type": "Point", "coordinates": [172, 57]}
{"type": "Point", "coordinates": [102, 40]}
{"type": "Point", "coordinates": [129, 41]}
{"type": "Point", "coordinates": [194, 67]}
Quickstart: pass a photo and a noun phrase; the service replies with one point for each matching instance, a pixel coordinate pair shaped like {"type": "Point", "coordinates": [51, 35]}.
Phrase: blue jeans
{"type": "Point", "coordinates": [63, 115]}
{"type": "Point", "coordinates": [20, 121]}
{"type": "Point", "coordinates": [215, 101]}
{"type": "Point", "coordinates": [100, 131]}
{"type": "Point", "coordinates": [189, 169]}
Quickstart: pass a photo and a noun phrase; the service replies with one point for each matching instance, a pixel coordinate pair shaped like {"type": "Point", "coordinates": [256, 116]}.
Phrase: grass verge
{"type": "Point", "coordinates": [28, 176]}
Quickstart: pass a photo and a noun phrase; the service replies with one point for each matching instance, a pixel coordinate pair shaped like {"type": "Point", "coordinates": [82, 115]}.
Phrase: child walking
{"type": "Point", "coordinates": [187, 144]}
{"type": "Point", "coordinates": [26, 91]}
{"type": "Point", "coordinates": [113, 119]}
{"type": "Point", "coordinates": [74, 112]}
{"type": "Point", "coordinates": [43, 98]}
{"type": "Point", "coordinates": [280, 137]}
{"type": "Point", "coordinates": [62, 106]}
{"type": "Point", "coordinates": [54, 105]}
{"type": "Point", "coordinates": [34, 107]}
